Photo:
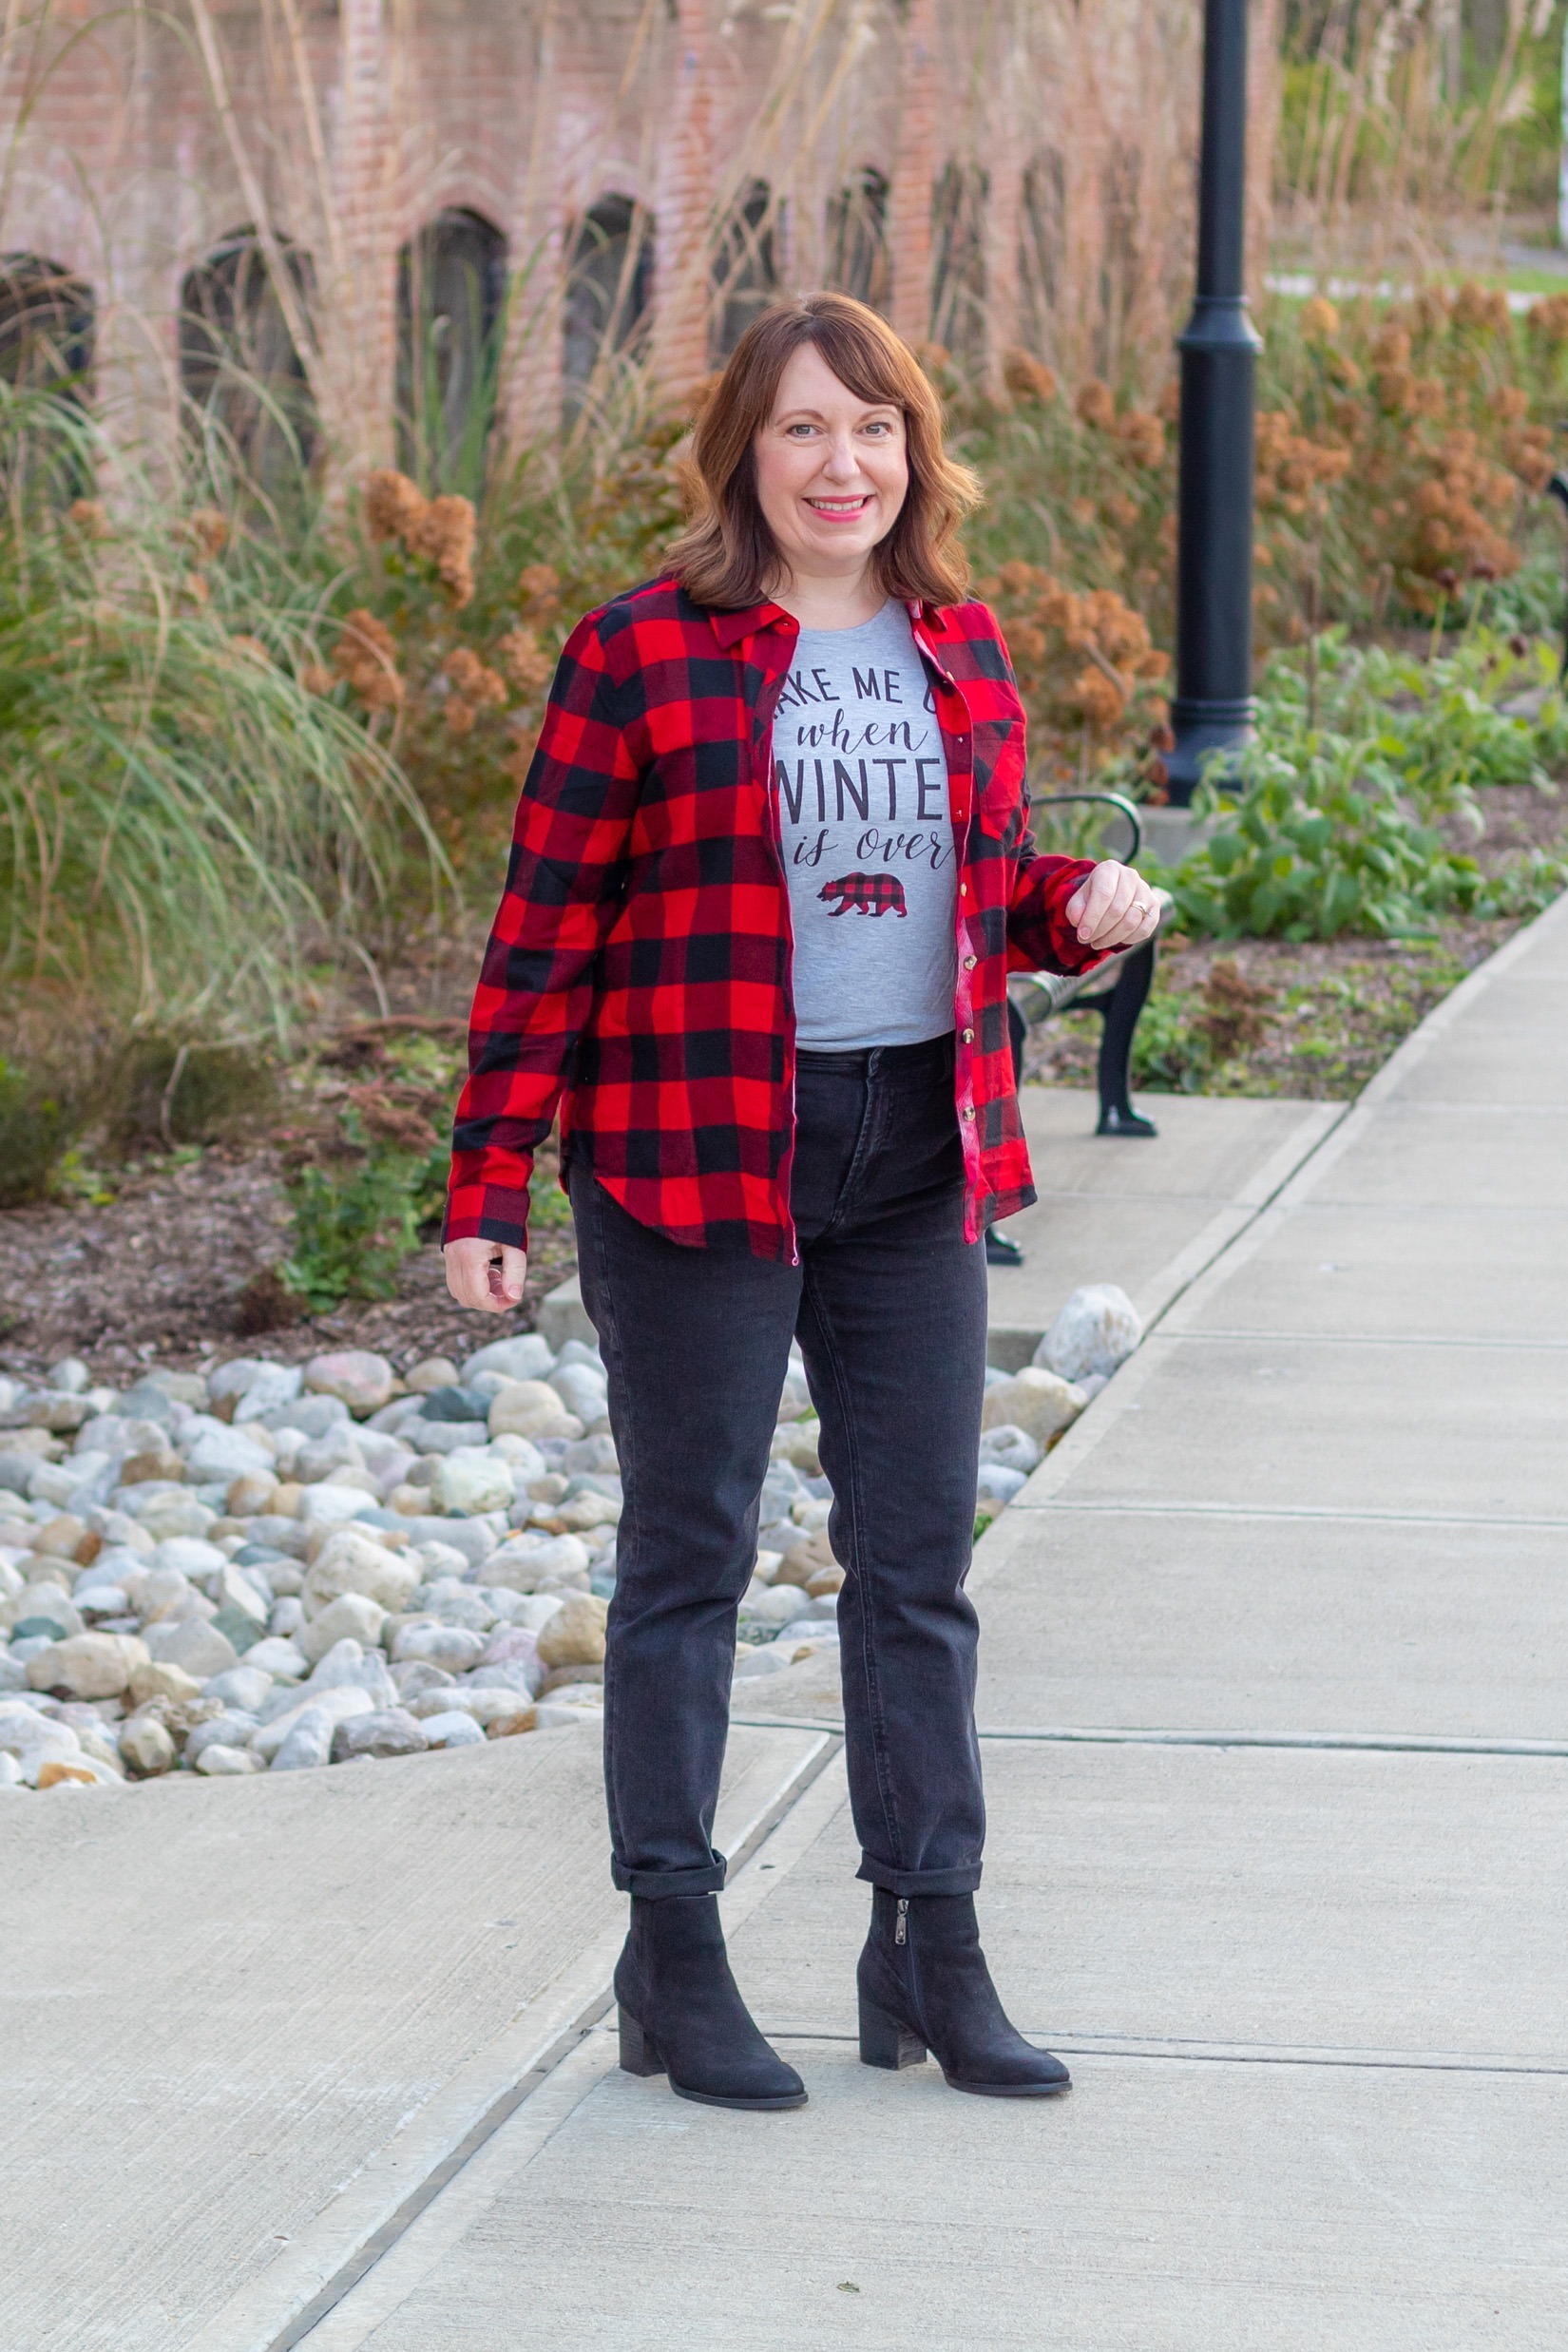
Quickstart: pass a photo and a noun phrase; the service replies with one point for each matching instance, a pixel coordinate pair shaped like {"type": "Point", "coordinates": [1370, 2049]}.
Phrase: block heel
{"type": "Point", "coordinates": [924, 1958]}
{"type": "Point", "coordinates": [639, 2053]}
{"type": "Point", "coordinates": [886, 2040]}
{"type": "Point", "coordinates": [680, 2015]}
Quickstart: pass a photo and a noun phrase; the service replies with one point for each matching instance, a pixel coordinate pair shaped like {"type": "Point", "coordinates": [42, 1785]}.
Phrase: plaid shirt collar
{"type": "Point", "coordinates": [730, 628]}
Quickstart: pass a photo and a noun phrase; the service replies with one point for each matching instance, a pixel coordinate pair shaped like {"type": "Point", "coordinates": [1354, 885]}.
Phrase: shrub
{"type": "Point", "coordinates": [1330, 823]}
{"type": "Point", "coordinates": [37, 1125]}
{"type": "Point", "coordinates": [360, 1197]}
{"type": "Point", "coordinates": [353, 1227]}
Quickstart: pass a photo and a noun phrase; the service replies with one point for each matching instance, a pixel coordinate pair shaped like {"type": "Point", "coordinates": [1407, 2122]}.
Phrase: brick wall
{"type": "Point", "coordinates": [133, 150]}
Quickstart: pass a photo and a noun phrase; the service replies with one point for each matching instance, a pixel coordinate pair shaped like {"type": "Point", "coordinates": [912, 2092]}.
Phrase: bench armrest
{"type": "Point", "coordinates": [1124, 808]}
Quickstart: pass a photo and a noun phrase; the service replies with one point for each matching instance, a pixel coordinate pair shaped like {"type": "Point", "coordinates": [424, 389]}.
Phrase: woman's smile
{"type": "Point", "coordinates": [840, 509]}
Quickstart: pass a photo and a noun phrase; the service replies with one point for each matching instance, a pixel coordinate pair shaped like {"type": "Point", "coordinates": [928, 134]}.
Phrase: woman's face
{"type": "Point", "coordinates": [831, 471]}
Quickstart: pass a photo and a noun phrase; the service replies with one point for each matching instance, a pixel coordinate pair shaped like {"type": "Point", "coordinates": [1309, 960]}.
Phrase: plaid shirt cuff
{"type": "Point", "coordinates": [1039, 938]}
{"type": "Point", "coordinates": [488, 1199]}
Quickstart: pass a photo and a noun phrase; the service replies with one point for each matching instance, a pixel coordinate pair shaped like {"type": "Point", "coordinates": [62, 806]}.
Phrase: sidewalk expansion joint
{"type": "Point", "coordinates": [1380, 1743]}
{"type": "Point", "coordinates": [1222, 1334]}
{"type": "Point", "coordinates": [1073, 1736]}
{"type": "Point", "coordinates": [1349, 1514]}
{"type": "Point", "coordinates": [1069, 2044]}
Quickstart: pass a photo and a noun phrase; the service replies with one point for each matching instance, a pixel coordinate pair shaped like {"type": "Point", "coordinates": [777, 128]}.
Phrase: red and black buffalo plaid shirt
{"type": "Point", "coordinates": [637, 973]}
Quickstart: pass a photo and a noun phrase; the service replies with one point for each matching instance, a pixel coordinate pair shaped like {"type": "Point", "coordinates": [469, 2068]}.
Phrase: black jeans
{"type": "Point", "coordinates": [888, 1303]}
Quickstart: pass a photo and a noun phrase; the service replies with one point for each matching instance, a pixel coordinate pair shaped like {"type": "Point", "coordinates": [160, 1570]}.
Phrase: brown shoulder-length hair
{"type": "Point", "coordinates": [726, 555]}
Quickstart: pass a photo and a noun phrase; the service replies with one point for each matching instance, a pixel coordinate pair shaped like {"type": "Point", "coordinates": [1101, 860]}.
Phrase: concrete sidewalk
{"type": "Point", "coordinates": [1277, 1757]}
{"type": "Point", "coordinates": [246, 2021]}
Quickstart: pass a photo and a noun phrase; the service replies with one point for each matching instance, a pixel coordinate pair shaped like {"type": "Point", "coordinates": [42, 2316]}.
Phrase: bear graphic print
{"type": "Point", "coordinates": [861, 783]}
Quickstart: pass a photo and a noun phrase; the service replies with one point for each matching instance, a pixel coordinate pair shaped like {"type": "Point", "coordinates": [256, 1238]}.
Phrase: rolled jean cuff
{"type": "Point", "coordinates": [651, 1886]}
{"type": "Point", "coordinates": [960, 1881]}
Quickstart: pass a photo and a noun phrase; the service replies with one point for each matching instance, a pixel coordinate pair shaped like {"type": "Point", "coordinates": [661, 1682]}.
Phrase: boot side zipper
{"type": "Point", "coordinates": [901, 1933]}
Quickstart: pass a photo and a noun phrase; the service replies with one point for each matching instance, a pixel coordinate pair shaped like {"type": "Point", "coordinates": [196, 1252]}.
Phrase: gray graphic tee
{"type": "Point", "coordinates": [862, 785]}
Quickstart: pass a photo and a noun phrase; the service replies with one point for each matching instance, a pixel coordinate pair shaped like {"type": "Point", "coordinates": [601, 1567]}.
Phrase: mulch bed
{"type": "Point", "coordinates": [157, 1274]}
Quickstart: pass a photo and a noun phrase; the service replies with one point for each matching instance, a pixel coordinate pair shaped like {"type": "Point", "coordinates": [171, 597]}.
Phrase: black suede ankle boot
{"type": "Point", "coordinates": [682, 2015]}
{"type": "Point", "coordinates": [924, 1984]}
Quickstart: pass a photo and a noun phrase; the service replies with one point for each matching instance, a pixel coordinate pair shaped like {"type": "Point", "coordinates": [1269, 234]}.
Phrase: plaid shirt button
{"type": "Point", "coordinates": [969, 963]}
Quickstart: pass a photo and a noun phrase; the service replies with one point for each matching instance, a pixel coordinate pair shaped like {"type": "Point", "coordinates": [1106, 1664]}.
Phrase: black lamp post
{"type": "Point", "coordinates": [1213, 708]}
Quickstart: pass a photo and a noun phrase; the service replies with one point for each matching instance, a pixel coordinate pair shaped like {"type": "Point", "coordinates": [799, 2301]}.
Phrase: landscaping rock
{"type": "Point", "coordinates": [522, 1566]}
{"type": "Point", "coordinates": [528, 1409]}
{"type": "Point", "coordinates": [88, 1666]}
{"type": "Point", "coordinates": [349, 1662]}
{"type": "Point", "coordinates": [200, 1648]}
{"type": "Point", "coordinates": [250, 1493]}
{"type": "Point", "coordinates": [76, 1771]}
{"type": "Point", "coordinates": [278, 1657]}
{"type": "Point", "coordinates": [338, 1449]}
{"type": "Point", "coordinates": [575, 1636]}
{"type": "Point", "coordinates": [147, 1747]}
{"type": "Point", "coordinates": [523, 1717]}
{"type": "Point", "coordinates": [352, 1616]}
{"type": "Point", "coordinates": [337, 1705]}
{"type": "Point", "coordinates": [160, 1678]}
{"type": "Point", "coordinates": [222, 1762]}
{"type": "Point", "coordinates": [1097, 1330]}
{"type": "Point", "coordinates": [235, 1728]}
{"type": "Point", "coordinates": [330, 1504]}
{"type": "Point", "coordinates": [354, 1562]}
{"type": "Point", "coordinates": [221, 1454]}
{"type": "Point", "coordinates": [1039, 1402]}
{"type": "Point", "coordinates": [231, 1588]}
{"type": "Point", "coordinates": [471, 1480]}
{"type": "Point", "coordinates": [472, 1539]}
{"type": "Point", "coordinates": [458, 1403]}
{"type": "Point", "coordinates": [166, 1512]}
{"type": "Point", "coordinates": [453, 1729]}
{"type": "Point", "coordinates": [312, 1415]}
{"type": "Point", "coordinates": [451, 1647]}
{"type": "Point", "coordinates": [43, 1600]}
{"type": "Point", "coordinates": [274, 1385]}
{"type": "Point", "coordinates": [795, 1442]}
{"type": "Point", "coordinates": [390, 1732]}
{"type": "Point", "coordinates": [307, 1742]}
{"type": "Point", "coordinates": [62, 1539]}
{"type": "Point", "coordinates": [1014, 1448]}
{"type": "Point", "coordinates": [242, 1689]}
{"type": "Point", "coordinates": [582, 1390]}
{"type": "Point", "coordinates": [442, 1437]}
{"type": "Point", "coordinates": [361, 1380]}
{"type": "Point", "coordinates": [528, 1357]}
{"type": "Point", "coordinates": [433, 1373]}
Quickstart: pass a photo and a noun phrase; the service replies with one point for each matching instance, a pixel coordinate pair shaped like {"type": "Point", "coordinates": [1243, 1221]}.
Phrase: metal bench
{"type": "Point", "coordinates": [1116, 990]}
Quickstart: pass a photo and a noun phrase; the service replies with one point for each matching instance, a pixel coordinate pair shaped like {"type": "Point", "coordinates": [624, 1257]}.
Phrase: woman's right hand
{"type": "Point", "coordinates": [486, 1275]}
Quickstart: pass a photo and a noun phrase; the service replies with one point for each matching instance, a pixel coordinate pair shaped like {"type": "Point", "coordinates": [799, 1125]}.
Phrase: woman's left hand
{"type": "Point", "coordinates": [1115, 907]}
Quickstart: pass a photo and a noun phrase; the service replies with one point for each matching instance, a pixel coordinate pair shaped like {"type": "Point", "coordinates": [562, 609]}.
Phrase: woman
{"type": "Point", "coordinates": [769, 873]}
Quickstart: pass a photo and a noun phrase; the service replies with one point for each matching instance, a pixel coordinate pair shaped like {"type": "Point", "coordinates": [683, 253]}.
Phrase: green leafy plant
{"type": "Point", "coordinates": [1331, 822]}
{"type": "Point", "coordinates": [357, 1216]}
